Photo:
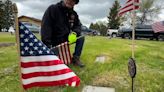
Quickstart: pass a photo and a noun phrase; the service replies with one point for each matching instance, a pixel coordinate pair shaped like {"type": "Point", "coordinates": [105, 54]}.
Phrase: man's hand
{"type": "Point", "coordinates": [72, 37]}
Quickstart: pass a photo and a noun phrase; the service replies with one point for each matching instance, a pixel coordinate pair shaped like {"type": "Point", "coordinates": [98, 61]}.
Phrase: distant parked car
{"type": "Point", "coordinates": [95, 32]}
{"type": "Point", "coordinates": [141, 31]}
{"type": "Point", "coordinates": [87, 31]}
{"type": "Point", "coordinates": [32, 27]}
{"type": "Point", "coordinates": [112, 32]}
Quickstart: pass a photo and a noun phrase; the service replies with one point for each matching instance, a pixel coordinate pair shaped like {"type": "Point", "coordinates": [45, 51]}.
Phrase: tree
{"type": "Point", "coordinates": [99, 26]}
{"type": "Point", "coordinates": [91, 26]}
{"type": "Point", "coordinates": [148, 11]}
{"type": "Point", "coordinates": [1, 15]}
{"type": "Point", "coordinates": [94, 26]}
{"type": "Point", "coordinates": [8, 15]}
{"type": "Point", "coordinates": [103, 28]}
{"type": "Point", "coordinates": [113, 19]}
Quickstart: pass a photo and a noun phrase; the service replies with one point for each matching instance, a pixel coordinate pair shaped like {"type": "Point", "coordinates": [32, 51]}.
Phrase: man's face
{"type": "Point", "coordinates": [69, 3]}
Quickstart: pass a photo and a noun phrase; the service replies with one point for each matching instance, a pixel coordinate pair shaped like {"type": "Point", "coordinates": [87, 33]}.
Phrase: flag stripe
{"type": "Point", "coordinates": [39, 58]}
{"type": "Point", "coordinates": [48, 78]}
{"type": "Point", "coordinates": [73, 84]}
{"type": "Point", "coordinates": [36, 74]}
{"type": "Point", "coordinates": [68, 54]}
{"type": "Point", "coordinates": [46, 63]}
{"type": "Point", "coordinates": [136, 7]}
{"type": "Point", "coordinates": [159, 25]}
{"type": "Point", "coordinates": [65, 50]}
{"type": "Point", "coordinates": [125, 10]}
{"type": "Point", "coordinates": [129, 1]}
{"type": "Point", "coordinates": [64, 53]}
{"type": "Point", "coordinates": [52, 83]}
{"type": "Point", "coordinates": [44, 68]}
{"type": "Point", "coordinates": [129, 6]}
{"type": "Point", "coordinates": [60, 55]}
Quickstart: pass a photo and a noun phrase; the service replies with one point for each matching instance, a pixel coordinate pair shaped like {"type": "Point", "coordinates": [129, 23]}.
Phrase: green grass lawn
{"type": "Point", "coordinates": [113, 73]}
{"type": "Point", "coordinates": [7, 37]}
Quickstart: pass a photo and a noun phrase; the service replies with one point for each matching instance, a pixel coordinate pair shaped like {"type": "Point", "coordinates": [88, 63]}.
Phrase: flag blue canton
{"type": "Point", "coordinates": [30, 45]}
{"type": "Point", "coordinates": [163, 23]}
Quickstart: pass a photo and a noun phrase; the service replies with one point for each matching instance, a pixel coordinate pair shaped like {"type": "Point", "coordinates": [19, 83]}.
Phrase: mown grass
{"type": "Point", "coordinates": [7, 37]}
{"type": "Point", "coordinates": [149, 57]}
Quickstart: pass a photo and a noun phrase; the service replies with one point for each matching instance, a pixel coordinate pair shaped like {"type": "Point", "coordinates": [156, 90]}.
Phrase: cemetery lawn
{"type": "Point", "coordinates": [6, 37]}
{"type": "Point", "coordinates": [149, 56]}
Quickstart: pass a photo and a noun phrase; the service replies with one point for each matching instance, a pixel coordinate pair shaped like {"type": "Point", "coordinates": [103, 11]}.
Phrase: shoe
{"type": "Point", "coordinates": [76, 61]}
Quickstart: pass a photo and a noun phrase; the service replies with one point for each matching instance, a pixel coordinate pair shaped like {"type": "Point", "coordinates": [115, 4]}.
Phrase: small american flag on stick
{"type": "Point", "coordinates": [63, 52]}
{"type": "Point", "coordinates": [158, 26]}
{"type": "Point", "coordinates": [129, 6]}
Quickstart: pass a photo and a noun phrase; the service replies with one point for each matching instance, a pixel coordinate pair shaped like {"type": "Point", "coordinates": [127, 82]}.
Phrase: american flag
{"type": "Point", "coordinates": [158, 26]}
{"type": "Point", "coordinates": [64, 52]}
{"type": "Point", "coordinates": [129, 6]}
{"type": "Point", "coordinates": [39, 66]}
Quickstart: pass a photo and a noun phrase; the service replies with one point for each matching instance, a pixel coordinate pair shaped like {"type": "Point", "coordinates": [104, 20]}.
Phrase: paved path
{"type": "Point", "coordinates": [6, 44]}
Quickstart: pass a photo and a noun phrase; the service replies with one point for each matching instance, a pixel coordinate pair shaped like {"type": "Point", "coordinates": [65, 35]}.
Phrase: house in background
{"type": "Point", "coordinates": [31, 23]}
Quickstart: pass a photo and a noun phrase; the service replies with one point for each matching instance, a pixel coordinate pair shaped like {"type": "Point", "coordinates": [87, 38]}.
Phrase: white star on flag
{"type": "Point", "coordinates": [26, 31]}
{"type": "Point", "coordinates": [31, 36]}
{"type": "Point", "coordinates": [21, 35]}
{"type": "Point", "coordinates": [22, 44]}
{"type": "Point", "coordinates": [35, 48]}
{"type": "Point", "coordinates": [35, 40]}
{"type": "Point", "coordinates": [26, 40]}
{"type": "Point", "coordinates": [40, 52]}
{"type": "Point", "coordinates": [31, 52]}
{"type": "Point", "coordinates": [31, 44]}
{"type": "Point", "coordinates": [26, 48]}
{"type": "Point", "coordinates": [40, 44]}
{"type": "Point", "coordinates": [22, 27]}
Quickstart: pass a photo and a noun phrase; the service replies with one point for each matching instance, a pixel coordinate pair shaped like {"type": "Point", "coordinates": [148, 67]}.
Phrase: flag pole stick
{"type": "Point", "coordinates": [17, 43]}
{"type": "Point", "coordinates": [133, 40]}
{"type": "Point", "coordinates": [133, 33]}
{"type": "Point", "coordinates": [68, 42]}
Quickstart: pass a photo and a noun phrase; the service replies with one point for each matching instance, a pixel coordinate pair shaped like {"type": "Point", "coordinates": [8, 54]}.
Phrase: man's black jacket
{"type": "Point", "coordinates": [56, 25]}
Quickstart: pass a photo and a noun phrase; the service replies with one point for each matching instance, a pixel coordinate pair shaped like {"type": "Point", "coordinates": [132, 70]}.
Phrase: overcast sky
{"type": "Point", "coordinates": [88, 10]}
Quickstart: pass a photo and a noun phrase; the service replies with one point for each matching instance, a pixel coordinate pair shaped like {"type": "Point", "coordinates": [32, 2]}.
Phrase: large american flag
{"type": "Point", "coordinates": [158, 26]}
{"type": "Point", "coordinates": [129, 6]}
{"type": "Point", "coordinates": [39, 66]}
{"type": "Point", "coordinates": [64, 52]}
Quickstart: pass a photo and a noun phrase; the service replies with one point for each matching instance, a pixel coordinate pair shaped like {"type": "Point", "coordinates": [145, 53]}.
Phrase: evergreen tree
{"type": "Point", "coordinates": [1, 15]}
{"type": "Point", "coordinates": [113, 19]}
{"type": "Point", "coordinates": [9, 15]}
{"type": "Point", "coordinates": [91, 26]}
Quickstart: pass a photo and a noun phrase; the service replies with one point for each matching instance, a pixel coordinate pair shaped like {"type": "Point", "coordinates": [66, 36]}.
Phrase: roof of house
{"type": "Point", "coordinates": [38, 20]}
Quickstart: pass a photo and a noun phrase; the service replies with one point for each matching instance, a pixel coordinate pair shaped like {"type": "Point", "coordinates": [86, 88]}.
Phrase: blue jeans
{"type": "Point", "coordinates": [79, 46]}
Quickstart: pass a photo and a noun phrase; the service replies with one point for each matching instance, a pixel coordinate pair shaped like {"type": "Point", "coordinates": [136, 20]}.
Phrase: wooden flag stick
{"type": "Point", "coordinates": [133, 40]}
{"type": "Point", "coordinates": [133, 34]}
{"type": "Point", "coordinates": [15, 10]}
